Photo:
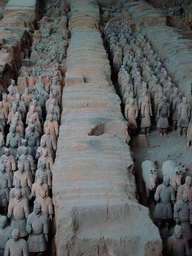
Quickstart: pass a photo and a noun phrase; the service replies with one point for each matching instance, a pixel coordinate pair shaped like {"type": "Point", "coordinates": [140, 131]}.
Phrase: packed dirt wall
{"type": "Point", "coordinates": [16, 28]}
{"type": "Point", "coordinates": [94, 190]}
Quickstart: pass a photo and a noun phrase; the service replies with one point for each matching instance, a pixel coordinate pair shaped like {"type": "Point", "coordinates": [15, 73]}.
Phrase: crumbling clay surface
{"type": "Point", "coordinates": [94, 190]}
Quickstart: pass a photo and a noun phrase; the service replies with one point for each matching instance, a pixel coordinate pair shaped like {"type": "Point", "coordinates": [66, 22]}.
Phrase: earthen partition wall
{"type": "Point", "coordinates": [96, 211]}
{"type": "Point", "coordinates": [15, 37]}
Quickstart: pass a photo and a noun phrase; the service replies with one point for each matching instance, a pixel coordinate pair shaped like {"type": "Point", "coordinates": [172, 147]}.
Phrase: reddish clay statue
{"type": "Point", "coordinates": [16, 246]}
{"type": "Point", "coordinates": [37, 227]}
{"type": "Point", "coordinates": [19, 211]}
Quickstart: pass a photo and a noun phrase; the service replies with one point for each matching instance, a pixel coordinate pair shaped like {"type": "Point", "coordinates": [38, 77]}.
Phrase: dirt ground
{"type": "Point", "coordinates": [159, 150]}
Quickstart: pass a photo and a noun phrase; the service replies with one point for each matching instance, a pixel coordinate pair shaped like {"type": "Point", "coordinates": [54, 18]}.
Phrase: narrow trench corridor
{"type": "Point", "coordinates": [152, 147]}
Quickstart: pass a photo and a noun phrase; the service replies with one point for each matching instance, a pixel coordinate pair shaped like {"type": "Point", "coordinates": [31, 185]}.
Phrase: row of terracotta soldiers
{"type": "Point", "coordinates": [18, 163]}
{"type": "Point", "coordinates": [168, 194]}
{"type": "Point", "coordinates": [144, 82]}
{"type": "Point", "coordinates": [182, 214]}
{"type": "Point", "coordinates": [18, 169]}
{"type": "Point", "coordinates": [36, 227]}
{"type": "Point", "coordinates": [26, 162]}
{"type": "Point", "coordinates": [48, 50]}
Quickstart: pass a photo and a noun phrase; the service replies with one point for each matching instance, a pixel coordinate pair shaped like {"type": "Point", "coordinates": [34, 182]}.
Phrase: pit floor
{"type": "Point", "coordinates": [161, 149]}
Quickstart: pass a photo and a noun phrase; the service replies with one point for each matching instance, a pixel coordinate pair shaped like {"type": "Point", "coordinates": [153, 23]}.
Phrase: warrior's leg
{"type": "Point", "coordinates": [143, 130]}
{"type": "Point", "coordinates": [185, 131]}
{"type": "Point", "coordinates": [165, 131]}
{"type": "Point", "coordinates": [175, 125]}
{"type": "Point", "coordinates": [148, 130]}
{"type": "Point", "coordinates": [161, 131]}
{"type": "Point", "coordinates": [179, 131]}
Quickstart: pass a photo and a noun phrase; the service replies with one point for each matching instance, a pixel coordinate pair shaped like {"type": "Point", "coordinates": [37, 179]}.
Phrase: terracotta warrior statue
{"type": "Point", "coordinates": [20, 149]}
{"type": "Point", "coordinates": [184, 113]}
{"type": "Point", "coordinates": [50, 141]}
{"type": "Point", "coordinates": [13, 140]}
{"type": "Point", "coordinates": [31, 113]}
{"type": "Point", "coordinates": [46, 204]}
{"type": "Point", "coordinates": [11, 95]}
{"type": "Point", "coordinates": [3, 110]}
{"type": "Point", "coordinates": [146, 113]}
{"type": "Point", "coordinates": [131, 114]}
{"type": "Point", "coordinates": [13, 86]}
{"type": "Point", "coordinates": [12, 115]}
{"type": "Point", "coordinates": [24, 177]}
{"type": "Point", "coordinates": [2, 147]}
{"type": "Point", "coordinates": [41, 148]}
{"type": "Point", "coordinates": [53, 126]}
{"type": "Point", "coordinates": [19, 211]}
{"type": "Point", "coordinates": [175, 104]}
{"type": "Point", "coordinates": [5, 233]}
{"type": "Point", "coordinates": [32, 138]}
{"type": "Point", "coordinates": [36, 188]}
{"type": "Point", "coordinates": [45, 173]}
{"type": "Point", "coordinates": [27, 97]}
{"type": "Point", "coordinates": [28, 162]}
{"type": "Point", "coordinates": [183, 215]}
{"type": "Point", "coordinates": [37, 227]}
{"type": "Point", "coordinates": [164, 196]}
{"type": "Point", "coordinates": [47, 159]}
{"type": "Point", "coordinates": [163, 113]}
{"type": "Point", "coordinates": [185, 188]}
{"type": "Point", "coordinates": [177, 244]}
{"type": "Point", "coordinates": [5, 185]}
{"type": "Point", "coordinates": [9, 162]}
{"type": "Point", "coordinates": [24, 191]}
{"type": "Point", "coordinates": [6, 103]}
{"type": "Point", "coordinates": [16, 246]}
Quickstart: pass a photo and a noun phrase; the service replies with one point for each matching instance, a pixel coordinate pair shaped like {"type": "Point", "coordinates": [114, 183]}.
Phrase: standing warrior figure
{"type": "Point", "coordinates": [131, 114]}
{"type": "Point", "coordinates": [13, 140]}
{"type": "Point", "coordinates": [9, 162]}
{"type": "Point", "coordinates": [164, 195]}
{"type": "Point", "coordinates": [24, 177]}
{"type": "Point", "coordinates": [50, 141]}
{"type": "Point", "coordinates": [146, 113]}
{"type": "Point", "coordinates": [53, 126]}
{"type": "Point", "coordinates": [46, 204]}
{"type": "Point", "coordinates": [183, 215]}
{"type": "Point", "coordinates": [175, 104]}
{"type": "Point", "coordinates": [5, 185]}
{"type": "Point", "coordinates": [184, 113]}
{"type": "Point", "coordinates": [37, 227]}
{"type": "Point", "coordinates": [13, 86]}
{"type": "Point", "coordinates": [5, 233]}
{"type": "Point", "coordinates": [32, 138]}
{"type": "Point", "coordinates": [163, 113]}
{"type": "Point", "coordinates": [20, 149]}
{"type": "Point", "coordinates": [16, 246]}
{"type": "Point", "coordinates": [6, 103]}
{"type": "Point", "coordinates": [185, 188]}
{"type": "Point", "coordinates": [177, 244]}
{"type": "Point", "coordinates": [19, 210]}
{"type": "Point", "coordinates": [24, 191]}
{"type": "Point", "coordinates": [28, 162]}
{"type": "Point", "coordinates": [47, 159]}
{"type": "Point", "coordinates": [27, 97]}
{"type": "Point", "coordinates": [45, 173]}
